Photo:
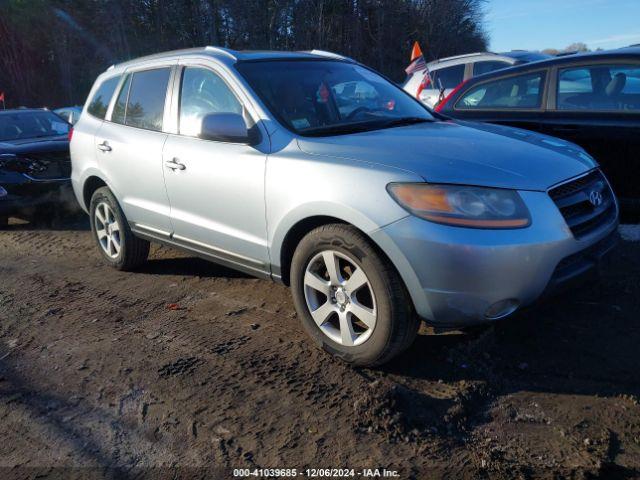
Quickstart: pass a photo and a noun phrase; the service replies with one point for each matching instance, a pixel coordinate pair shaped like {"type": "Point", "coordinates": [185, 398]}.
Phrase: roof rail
{"type": "Point", "coordinates": [324, 53]}
{"type": "Point", "coordinates": [224, 51]}
{"type": "Point", "coordinates": [474, 54]}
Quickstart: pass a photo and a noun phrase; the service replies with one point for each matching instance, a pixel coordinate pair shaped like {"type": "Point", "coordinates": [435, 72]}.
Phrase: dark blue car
{"type": "Point", "coordinates": [35, 168]}
{"type": "Point", "coordinates": [592, 99]}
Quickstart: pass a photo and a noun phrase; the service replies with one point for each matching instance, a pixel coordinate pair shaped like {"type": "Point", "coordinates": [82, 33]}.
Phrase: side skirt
{"type": "Point", "coordinates": [203, 252]}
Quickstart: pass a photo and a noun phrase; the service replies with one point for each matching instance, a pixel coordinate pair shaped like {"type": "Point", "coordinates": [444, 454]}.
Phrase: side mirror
{"type": "Point", "coordinates": [225, 127]}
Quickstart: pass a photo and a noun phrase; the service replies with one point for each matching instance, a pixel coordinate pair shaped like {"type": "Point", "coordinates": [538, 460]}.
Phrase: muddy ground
{"type": "Point", "coordinates": [188, 365]}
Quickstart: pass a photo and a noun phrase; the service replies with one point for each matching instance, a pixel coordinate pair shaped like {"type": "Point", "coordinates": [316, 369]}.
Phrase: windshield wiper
{"type": "Point", "coordinates": [399, 122]}
{"type": "Point", "coordinates": [341, 129]}
{"type": "Point", "coordinates": [347, 128]}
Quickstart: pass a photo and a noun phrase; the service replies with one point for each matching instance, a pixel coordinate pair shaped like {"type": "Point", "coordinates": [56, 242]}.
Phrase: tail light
{"type": "Point", "coordinates": [70, 133]}
{"type": "Point", "coordinates": [444, 101]}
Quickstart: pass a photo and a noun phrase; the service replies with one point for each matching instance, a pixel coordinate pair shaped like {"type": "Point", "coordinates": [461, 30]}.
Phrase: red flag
{"type": "Point", "coordinates": [2, 96]}
{"type": "Point", "coordinates": [416, 51]}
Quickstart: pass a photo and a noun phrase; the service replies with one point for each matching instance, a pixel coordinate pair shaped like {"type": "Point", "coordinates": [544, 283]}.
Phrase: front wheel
{"type": "Point", "coordinates": [350, 298]}
{"type": "Point", "coordinates": [116, 243]}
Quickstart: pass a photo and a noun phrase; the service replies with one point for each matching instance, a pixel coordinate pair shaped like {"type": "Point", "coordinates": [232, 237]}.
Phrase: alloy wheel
{"type": "Point", "coordinates": [340, 298]}
{"type": "Point", "coordinates": [107, 230]}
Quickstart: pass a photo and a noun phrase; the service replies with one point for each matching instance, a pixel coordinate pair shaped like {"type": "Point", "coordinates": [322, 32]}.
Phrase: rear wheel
{"type": "Point", "coordinates": [350, 299]}
{"type": "Point", "coordinates": [116, 243]}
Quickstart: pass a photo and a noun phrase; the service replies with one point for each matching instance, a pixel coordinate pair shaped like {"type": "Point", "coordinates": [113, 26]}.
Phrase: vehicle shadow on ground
{"type": "Point", "coordinates": [583, 342]}
{"type": "Point", "coordinates": [189, 267]}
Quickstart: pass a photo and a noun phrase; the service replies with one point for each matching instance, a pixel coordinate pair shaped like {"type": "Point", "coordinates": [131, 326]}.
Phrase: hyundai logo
{"type": "Point", "coordinates": [595, 197]}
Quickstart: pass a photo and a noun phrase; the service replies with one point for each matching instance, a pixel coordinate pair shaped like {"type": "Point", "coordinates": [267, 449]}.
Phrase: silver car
{"type": "Point", "coordinates": [314, 171]}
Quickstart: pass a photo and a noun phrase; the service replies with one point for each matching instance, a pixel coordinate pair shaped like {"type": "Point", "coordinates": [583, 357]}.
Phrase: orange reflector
{"type": "Point", "coordinates": [416, 198]}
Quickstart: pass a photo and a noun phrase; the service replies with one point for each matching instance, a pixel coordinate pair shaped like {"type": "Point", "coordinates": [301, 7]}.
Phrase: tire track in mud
{"type": "Point", "coordinates": [186, 364]}
{"type": "Point", "coordinates": [297, 383]}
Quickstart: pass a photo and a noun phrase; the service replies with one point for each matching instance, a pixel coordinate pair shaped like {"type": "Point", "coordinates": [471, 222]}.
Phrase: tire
{"type": "Point", "coordinates": [123, 250]}
{"type": "Point", "coordinates": [387, 324]}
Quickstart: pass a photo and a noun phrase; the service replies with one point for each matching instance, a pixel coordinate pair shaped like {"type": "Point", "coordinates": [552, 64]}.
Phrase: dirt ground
{"type": "Point", "coordinates": [188, 365]}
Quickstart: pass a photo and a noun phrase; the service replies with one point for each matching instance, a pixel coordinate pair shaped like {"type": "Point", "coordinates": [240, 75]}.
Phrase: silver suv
{"type": "Point", "coordinates": [314, 171]}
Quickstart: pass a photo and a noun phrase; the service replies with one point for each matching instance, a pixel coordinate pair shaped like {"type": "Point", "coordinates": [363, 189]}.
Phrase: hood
{"type": "Point", "coordinates": [462, 153]}
{"type": "Point", "coordinates": [20, 146]}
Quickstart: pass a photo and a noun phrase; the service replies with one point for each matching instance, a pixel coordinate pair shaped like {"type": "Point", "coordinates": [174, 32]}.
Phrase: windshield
{"type": "Point", "coordinates": [18, 125]}
{"type": "Point", "coordinates": [330, 97]}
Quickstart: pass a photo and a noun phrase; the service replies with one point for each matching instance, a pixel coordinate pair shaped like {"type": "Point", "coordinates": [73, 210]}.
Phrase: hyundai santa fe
{"type": "Point", "coordinates": [317, 172]}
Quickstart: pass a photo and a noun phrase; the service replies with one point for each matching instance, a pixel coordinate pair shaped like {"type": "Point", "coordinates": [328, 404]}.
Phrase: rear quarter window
{"type": "Point", "coordinates": [599, 88]}
{"type": "Point", "coordinates": [100, 101]}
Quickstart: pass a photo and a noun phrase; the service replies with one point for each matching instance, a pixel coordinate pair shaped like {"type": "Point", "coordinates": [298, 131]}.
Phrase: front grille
{"type": "Point", "coordinates": [575, 267]}
{"type": "Point", "coordinates": [581, 214]}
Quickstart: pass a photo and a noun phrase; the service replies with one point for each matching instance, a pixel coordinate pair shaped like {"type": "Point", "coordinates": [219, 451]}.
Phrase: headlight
{"type": "Point", "coordinates": [462, 206]}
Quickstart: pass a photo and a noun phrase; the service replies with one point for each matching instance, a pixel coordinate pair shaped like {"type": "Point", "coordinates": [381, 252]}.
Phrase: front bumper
{"type": "Point", "coordinates": [26, 198]}
{"type": "Point", "coordinates": [455, 274]}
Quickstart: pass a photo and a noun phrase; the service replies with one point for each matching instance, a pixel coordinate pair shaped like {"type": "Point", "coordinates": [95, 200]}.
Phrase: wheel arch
{"type": "Point", "coordinates": [305, 225]}
{"type": "Point", "coordinates": [282, 251]}
{"type": "Point", "coordinates": [90, 185]}
{"type": "Point", "coordinates": [293, 237]}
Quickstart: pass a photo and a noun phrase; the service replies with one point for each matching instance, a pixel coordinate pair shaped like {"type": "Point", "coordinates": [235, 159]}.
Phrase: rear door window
{"type": "Point", "coordinates": [449, 77]}
{"type": "Point", "coordinates": [518, 92]}
{"type": "Point", "coordinates": [599, 88]}
{"type": "Point", "coordinates": [100, 101]}
{"type": "Point", "coordinates": [145, 106]}
{"type": "Point", "coordinates": [488, 66]}
{"type": "Point", "coordinates": [140, 102]}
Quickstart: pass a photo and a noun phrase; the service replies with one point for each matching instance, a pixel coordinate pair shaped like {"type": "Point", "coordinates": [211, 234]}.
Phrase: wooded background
{"type": "Point", "coordinates": [52, 50]}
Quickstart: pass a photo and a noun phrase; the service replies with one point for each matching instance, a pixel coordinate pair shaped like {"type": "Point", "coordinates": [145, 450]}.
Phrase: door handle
{"type": "Point", "coordinates": [104, 146]}
{"type": "Point", "coordinates": [174, 164]}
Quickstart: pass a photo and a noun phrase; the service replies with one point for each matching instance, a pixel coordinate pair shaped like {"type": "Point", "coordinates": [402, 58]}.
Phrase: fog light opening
{"type": "Point", "coordinates": [501, 309]}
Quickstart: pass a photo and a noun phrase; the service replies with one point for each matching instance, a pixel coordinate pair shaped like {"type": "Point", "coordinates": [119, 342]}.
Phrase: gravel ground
{"type": "Point", "coordinates": [188, 365]}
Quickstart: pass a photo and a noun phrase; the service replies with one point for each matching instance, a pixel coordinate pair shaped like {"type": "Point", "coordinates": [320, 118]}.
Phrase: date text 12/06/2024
{"type": "Point", "coordinates": [316, 473]}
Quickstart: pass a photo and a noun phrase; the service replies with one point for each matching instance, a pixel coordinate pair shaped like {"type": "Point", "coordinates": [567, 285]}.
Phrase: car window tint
{"type": "Point", "coordinates": [449, 77]}
{"type": "Point", "coordinates": [327, 97]}
{"type": "Point", "coordinates": [31, 124]}
{"type": "Point", "coordinates": [489, 66]}
{"type": "Point", "coordinates": [522, 91]}
{"type": "Point", "coordinates": [145, 107]}
{"type": "Point", "coordinates": [203, 92]}
{"type": "Point", "coordinates": [599, 87]}
{"type": "Point", "coordinates": [120, 107]}
{"type": "Point", "coordinates": [100, 101]}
